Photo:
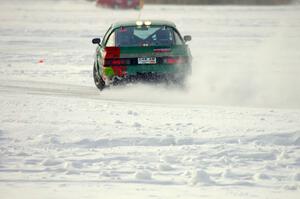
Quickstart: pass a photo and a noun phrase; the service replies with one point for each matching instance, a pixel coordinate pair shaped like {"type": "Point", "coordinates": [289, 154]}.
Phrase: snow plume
{"type": "Point", "coordinates": [248, 62]}
{"type": "Point", "coordinates": [264, 76]}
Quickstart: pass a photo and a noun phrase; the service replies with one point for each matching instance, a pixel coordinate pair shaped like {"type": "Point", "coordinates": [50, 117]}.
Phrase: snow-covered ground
{"type": "Point", "coordinates": [233, 133]}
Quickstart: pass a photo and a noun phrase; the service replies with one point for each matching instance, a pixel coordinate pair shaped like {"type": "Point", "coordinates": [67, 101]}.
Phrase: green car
{"type": "Point", "coordinates": [141, 50]}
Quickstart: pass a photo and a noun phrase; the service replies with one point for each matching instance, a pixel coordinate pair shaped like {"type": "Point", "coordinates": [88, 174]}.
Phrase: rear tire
{"type": "Point", "coordinates": [100, 84]}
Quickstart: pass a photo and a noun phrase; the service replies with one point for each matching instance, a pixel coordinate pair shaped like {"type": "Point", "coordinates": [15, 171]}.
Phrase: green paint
{"type": "Point", "coordinates": [109, 72]}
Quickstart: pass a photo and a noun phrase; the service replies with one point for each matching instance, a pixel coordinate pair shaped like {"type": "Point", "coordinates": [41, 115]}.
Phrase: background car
{"type": "Point", "coordinates": [124, 4]}
{"type": "Point", "coordinates": [142, 50]}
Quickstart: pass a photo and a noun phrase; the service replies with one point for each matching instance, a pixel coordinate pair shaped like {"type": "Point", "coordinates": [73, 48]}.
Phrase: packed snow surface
{"type": "Point", "coordinates": [233, 132]}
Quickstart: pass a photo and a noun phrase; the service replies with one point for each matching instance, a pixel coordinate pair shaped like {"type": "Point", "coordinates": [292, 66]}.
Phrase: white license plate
{"type": "Point", "coordinates": [147, 60]}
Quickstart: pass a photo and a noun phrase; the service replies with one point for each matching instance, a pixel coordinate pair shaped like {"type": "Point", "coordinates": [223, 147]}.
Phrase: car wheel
{"type": "Point", "coordinates": [100, 84]}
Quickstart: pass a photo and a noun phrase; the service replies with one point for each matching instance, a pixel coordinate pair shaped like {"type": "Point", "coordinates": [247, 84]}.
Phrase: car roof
{"type": "Point", "coordinates": [133, 23]}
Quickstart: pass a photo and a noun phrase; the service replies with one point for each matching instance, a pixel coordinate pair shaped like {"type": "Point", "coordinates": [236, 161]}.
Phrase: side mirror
{"type": "Point", "coordinates": [187, 38]}
{"type": "Point", "coordinates": [96, 41]}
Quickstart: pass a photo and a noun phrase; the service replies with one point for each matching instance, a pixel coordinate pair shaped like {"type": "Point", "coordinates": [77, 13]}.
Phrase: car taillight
{"type": "Point", "coordinates": [111, 57]}
{"type": "Point", "coordinates": [162, 50]}
{"type": "Point", "coordinates": [174, 60]}
{"type": "Point", "coordinates": [116, 62]}
{"type": "Point", "coordinates": [112, 52]}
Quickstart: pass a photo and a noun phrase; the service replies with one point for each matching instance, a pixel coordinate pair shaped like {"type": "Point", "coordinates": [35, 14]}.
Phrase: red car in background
{"type": "Point", "coordinates": [123, 4]}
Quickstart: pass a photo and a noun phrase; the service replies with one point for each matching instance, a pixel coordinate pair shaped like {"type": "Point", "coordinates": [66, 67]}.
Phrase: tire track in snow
{"type": "Point", "coordinates": [48, 89]}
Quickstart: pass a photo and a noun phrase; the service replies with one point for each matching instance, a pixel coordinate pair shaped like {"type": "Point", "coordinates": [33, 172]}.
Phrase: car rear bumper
{"type": "Point", "coordinates": [145, 73]}
{"type": "Point", "coordinates": [148, 77]}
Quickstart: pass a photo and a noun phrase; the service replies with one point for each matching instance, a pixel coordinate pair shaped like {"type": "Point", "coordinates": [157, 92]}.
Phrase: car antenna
{"type": "Point", "coordinates": [140, 10]}
{"type": "Point", "coordinates": [140, 13]}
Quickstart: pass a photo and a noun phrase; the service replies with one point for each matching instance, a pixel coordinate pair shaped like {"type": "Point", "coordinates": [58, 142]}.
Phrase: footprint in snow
{"type": "Point", "coordinates": [201, 177]}
{"type": "Point", "coordinates": [261, 176]}
{"type": "Point", "coordinates": [52, 162]}
{"type": "Point", "coordinates": [143, 175]}
{"type": "Point", "coordinates": [137, 125]}
{"type": "Point", "coordinates": [165, 167]}
{"type": "Point", "coordinates": [132, 113]}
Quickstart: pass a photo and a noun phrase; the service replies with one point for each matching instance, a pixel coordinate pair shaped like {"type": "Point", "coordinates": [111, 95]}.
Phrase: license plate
{"type": "Point", "coordinates": [147, 60]}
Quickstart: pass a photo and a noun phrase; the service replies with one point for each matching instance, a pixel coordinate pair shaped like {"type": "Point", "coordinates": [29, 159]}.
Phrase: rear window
{"type": "Point", "coordinates": [145, 36]}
